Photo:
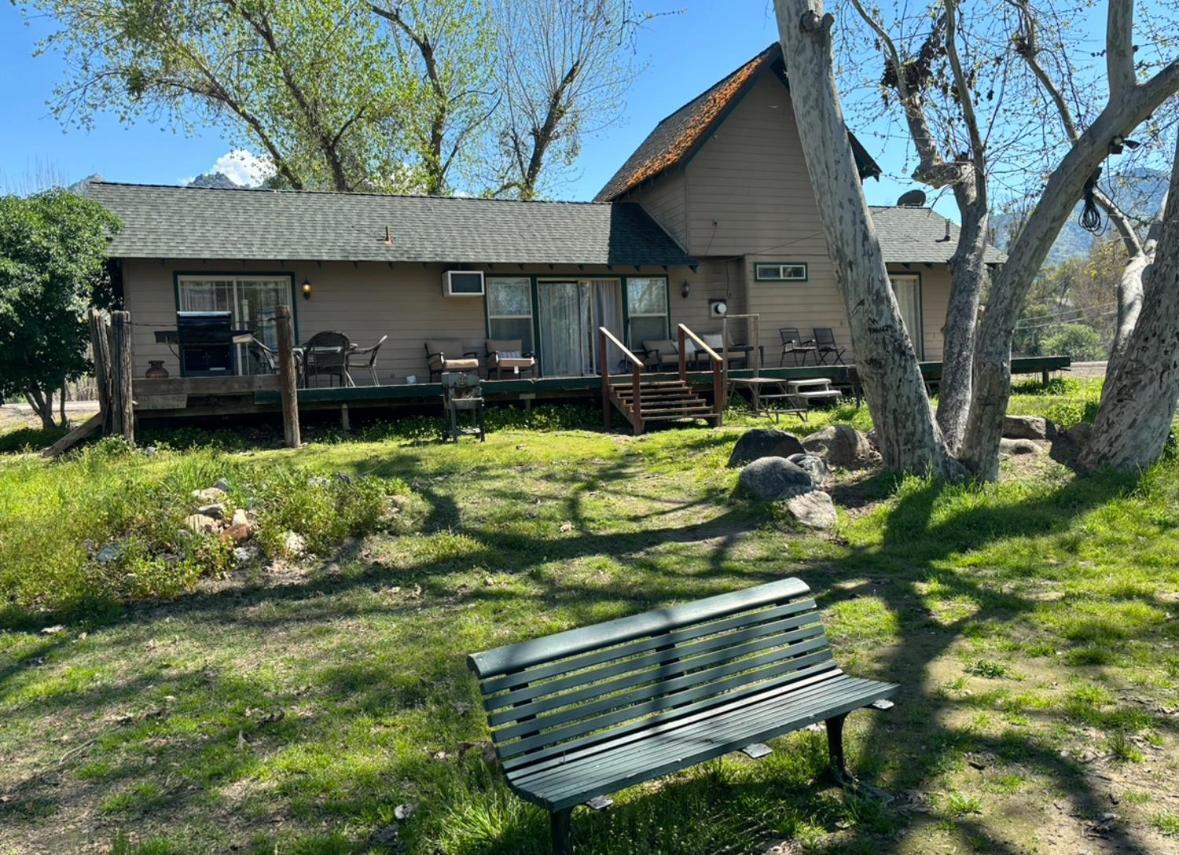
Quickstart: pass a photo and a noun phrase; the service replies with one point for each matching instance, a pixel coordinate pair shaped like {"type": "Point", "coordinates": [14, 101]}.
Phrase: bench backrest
{"type": "Point", "coordinates": [589, 685]}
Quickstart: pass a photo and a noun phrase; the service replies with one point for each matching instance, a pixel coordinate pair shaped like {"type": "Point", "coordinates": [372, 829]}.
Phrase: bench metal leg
{"type": "Point", "coordinates": [835, 749]}
{"type": "Point", "coordinates": [562, 831]}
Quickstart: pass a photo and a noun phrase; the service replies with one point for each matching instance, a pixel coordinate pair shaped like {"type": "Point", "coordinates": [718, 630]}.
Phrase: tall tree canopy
{"type": "Point", "coordinates": [52, 267]}
{"type": "Point", "coordinates": [427, 96]}
{"type": "Point", "coordinates": [308, 83]}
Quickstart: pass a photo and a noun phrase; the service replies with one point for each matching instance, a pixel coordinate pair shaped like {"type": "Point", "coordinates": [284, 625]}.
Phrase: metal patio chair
{"type": "Point", "coordinates": [825, 345]}
{"type": "Point", "coordinates": [366, 357]}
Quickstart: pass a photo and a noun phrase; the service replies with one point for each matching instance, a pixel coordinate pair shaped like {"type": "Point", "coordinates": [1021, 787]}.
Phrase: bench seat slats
{"type": "Point", "coordinates": [618, 650]}
{"type": "Point", "coordinates": [610, 742]}
{"type": "Point", "coordinates": [704, 740]}
{"type": "Point", "coordinates": [634, 731]}
{"type": "Point", "coordinates": [659, 669]}
{"type": "Point", "coordinates": [517, 657]}
{"type": "Point", "coordinates": [657, 712]}
{"type": "Point", "coordinates": [690, 684]}
{"type": "Point", "coordinates": [665, 648]}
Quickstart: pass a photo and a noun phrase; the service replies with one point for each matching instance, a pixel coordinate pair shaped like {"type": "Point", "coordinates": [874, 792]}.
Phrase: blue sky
{"type": "Point", "coordinates": [684, 53]}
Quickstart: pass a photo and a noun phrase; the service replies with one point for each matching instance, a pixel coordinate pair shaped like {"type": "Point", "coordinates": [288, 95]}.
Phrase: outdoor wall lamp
{"type": "Point", "coordinates": [306, 289]}
{"type": "Point", "coordinates": [686, 289]}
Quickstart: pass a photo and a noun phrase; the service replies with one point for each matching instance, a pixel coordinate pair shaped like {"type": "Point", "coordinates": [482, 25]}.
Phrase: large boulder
{"type": "Point", "coordinates": [1027, 427]}
{"type": "Point", "coordinates": [813, 510]}
{"type": "Point", "coordinates": [764, 442]}
{"type": "Point", "coordinates": [774, 478]}
{"type": "Point", "coordinates": [842, 446]}
{"type": "Point", "coordinates": [815, 467]}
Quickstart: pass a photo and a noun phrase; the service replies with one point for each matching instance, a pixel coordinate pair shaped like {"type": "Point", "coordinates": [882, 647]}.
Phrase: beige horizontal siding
{"type": "Point", "coordinates": [747, 187]}
{"type": "Point", "coordinates": [364, 301]}
{"type": "Point", "coordinates": [664, 199]}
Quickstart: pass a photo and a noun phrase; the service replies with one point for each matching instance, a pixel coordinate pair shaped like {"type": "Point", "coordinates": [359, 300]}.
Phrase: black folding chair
{"type": "Point", "coordinates": [825, 345]}
{"type": "Point", "coordinates": [793, 345]}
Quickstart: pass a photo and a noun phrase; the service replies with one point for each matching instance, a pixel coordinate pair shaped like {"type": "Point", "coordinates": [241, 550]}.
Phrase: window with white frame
{"type": "Point", "coordinates": [779, 271]}
{"type": "Point", "coordinates": [646, 309]}
{"type": "Point", "coordinates": [509, 309]}
{"type": "Point", "coordinates": [252, 300]}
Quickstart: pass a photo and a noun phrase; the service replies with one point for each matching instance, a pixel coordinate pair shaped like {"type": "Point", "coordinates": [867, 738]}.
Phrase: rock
{"type": "Point", "coordinates": [814, 509]}
{"type": "Point", "coordinates": [216, 510]}
{"type": "Point", "coordinates": [200, 523]}
{"type": "Point", "coordinates": [1018, 446]}
{"type": "Point", "coordinates": [815, 467]}
{"type": "Point", "coordinates": [1079, 434]}
{"type": "Point", "coordinates": [344, 478]}
{"type": "Point", "coordinates": [150, 451]}
{"type": "Point", "coordinates": [294, 544]}
{"type": "Point", "coordinates": [764, 442]}
{"type": "Point", "coordinates": [245, 554]}
{"type": "Point", "coordinates": [773, 478]}
{"type": "Point", "coordinates": [318, 481]}
{"type": "Point", "coordinates": [236, 534]}
{"type": "Point", "coordinates": [222, 485]}
{"type": "Point", "coordinates": [240, 517]}
{"type": "Point", "coordinates": [1026, 427]}
{"type": "Point", "coordinates": [209, 494]}
{"type": "Point", "coordinates": [842, 446]}
{"type": "Point", "coordinates": [109, 553]}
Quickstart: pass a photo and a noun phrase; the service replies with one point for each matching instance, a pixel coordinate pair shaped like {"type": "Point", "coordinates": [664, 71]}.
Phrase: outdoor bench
{"type": "Point", "coordinates": [587, 712]}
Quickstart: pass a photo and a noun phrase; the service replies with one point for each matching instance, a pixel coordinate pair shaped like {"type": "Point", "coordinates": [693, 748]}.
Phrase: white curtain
{"type": "Point", "coordinates": [607, 300]}
{"type": "Point", "coordinates": [562, 336]}
{"type": "Point", "coordinates": [908, 291]}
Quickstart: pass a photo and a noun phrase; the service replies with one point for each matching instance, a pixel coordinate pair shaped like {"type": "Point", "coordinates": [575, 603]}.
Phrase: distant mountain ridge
{"type": "Point", "coordinates": [214, 181]}
{"type": "Point", "coordinates": [1139, 192]}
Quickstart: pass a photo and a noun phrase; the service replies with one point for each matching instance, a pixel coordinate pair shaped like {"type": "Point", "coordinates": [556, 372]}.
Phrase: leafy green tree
{"type": "Point", "coordinates": [446, 94]}
{"type": "Point", "coordinates": [309, 83]}
{"type": "Point", "coordinates": [52, 267]}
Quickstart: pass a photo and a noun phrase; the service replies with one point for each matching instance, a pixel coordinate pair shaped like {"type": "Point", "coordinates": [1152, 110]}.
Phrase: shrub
{"type": "Point", "coordinates": [1079, 341]}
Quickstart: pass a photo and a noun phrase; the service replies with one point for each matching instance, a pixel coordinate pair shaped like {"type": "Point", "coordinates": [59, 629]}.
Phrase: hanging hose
{"type": "Point", "coordinates": [1090, 214]}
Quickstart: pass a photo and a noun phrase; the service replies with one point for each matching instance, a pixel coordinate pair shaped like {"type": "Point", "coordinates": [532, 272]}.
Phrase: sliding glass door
{"type": "Point", "coordinates": [570, 312]}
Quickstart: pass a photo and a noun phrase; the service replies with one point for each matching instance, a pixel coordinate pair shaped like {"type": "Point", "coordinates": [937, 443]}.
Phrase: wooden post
{"type": "Point", "coordinates": [603, 349]}
{"type": "Point", "coordinates": [286, 377]}
{"type": "Point", "coordinates": [122, 400]}
{"type": "Point", "coordinates": [683, 345]}
{"type": "Point", "coordinates": [100, 345]}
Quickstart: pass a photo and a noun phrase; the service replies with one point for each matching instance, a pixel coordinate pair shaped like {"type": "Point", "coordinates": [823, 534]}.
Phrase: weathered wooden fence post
{"type": "Point", "coordinates": [122, 396]}
{"type": "Point", "coordinates": [100, 344]}
{"type": "Point", "coordinates": [286, 377]}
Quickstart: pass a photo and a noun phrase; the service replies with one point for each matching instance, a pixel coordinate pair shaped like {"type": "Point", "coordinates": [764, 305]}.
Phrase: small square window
{"type": "Point", "coordinates": [780, 271]}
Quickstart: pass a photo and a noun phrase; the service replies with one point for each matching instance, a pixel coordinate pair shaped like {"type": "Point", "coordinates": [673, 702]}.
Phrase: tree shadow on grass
{"type": "Point", "coordinates": [913, 546]}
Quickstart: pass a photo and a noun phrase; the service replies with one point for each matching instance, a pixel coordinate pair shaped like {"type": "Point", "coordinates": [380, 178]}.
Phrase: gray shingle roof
{"type": "Point", "coordinates": [185, 222]}
{"type": "Point", "coordinates": [919, 236]}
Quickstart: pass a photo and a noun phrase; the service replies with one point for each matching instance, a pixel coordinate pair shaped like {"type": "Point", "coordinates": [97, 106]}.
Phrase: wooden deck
{"type": "Point", "coordinates": [189, 397]}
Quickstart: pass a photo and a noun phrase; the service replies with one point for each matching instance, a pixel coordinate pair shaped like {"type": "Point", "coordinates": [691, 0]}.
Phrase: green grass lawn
{"type": "Point", "coordinates": [179, 708]}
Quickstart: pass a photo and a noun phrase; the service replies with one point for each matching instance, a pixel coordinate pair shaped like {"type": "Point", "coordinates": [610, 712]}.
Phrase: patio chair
{"type": "Point", "coordinates": [793, 345]}
{"type": "Point", "coordinates": [326, 353]}
{"type": "Point", "coordinates": [450, 354]}
{"type": "Point", "coordinates": [825, 346]}
{"type": "Point", "coordinates": [366, 357]}
{"type": "Point", "coordinates": [264, 357]}
{"type": "Point", "coordinates": [737, 352]}
{"type": "Point", "coordinates": [508, 355]}
{"type": "Point", "coordinates": [661, 354]}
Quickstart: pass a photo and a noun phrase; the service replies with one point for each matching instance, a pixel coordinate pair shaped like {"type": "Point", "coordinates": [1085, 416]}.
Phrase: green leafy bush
{"type": "Point", "coordinates": [1079, 341]}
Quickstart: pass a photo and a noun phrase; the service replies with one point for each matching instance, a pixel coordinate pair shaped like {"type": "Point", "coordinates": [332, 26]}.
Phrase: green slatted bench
{"type": "Point", "coordinates": [587, 712]}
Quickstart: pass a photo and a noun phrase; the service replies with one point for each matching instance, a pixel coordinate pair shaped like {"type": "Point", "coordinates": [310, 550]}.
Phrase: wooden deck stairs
{"type": "Point", "coordinates": [662, 401]}
{"type": "Point", "coordinates": [645, 400]}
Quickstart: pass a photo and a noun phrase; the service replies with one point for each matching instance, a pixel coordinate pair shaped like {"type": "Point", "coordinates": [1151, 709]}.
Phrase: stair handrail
{"type": "Point", "coordinates": [605, 337]}
{"type": "Point", "coordinates": [718, 368]}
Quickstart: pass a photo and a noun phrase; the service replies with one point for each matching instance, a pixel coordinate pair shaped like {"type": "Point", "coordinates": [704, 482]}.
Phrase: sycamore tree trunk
{"type": "Point", "coordinates": [42, 403]}
{"type": "Point", "coordinates": [1129, 105]}
{"type": "Point", "coordinates": [908, 435]}
{"type": "Point", "coordinates": [1138, 402]}
{"type": "Point", "coordinates": [968, 276]}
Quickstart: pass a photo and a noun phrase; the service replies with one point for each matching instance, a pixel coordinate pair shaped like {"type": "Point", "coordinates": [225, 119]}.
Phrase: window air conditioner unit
{"type": "Point", "coordinates": [462, 283]}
